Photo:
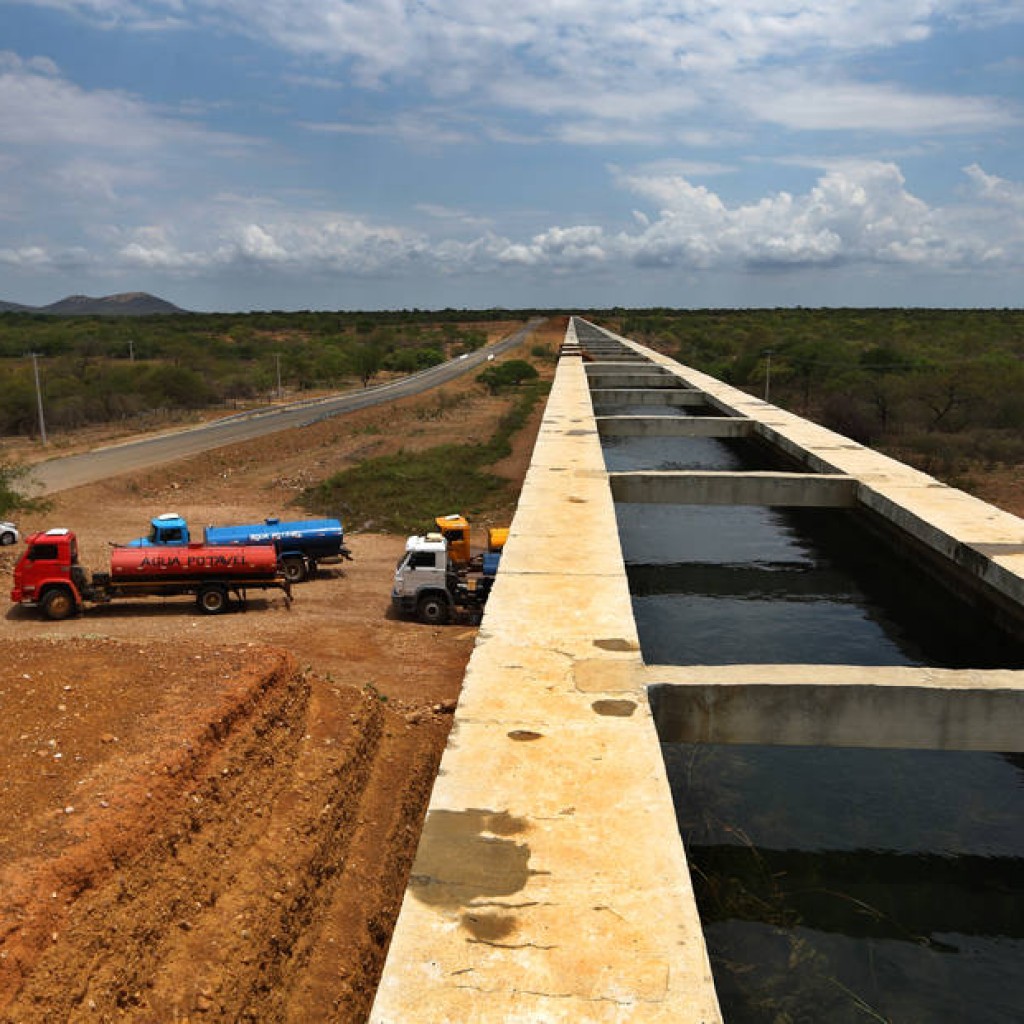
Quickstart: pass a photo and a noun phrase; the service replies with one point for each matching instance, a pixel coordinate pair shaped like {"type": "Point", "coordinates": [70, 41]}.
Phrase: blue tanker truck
{"type": "Point", "coordinates": [301, 544]}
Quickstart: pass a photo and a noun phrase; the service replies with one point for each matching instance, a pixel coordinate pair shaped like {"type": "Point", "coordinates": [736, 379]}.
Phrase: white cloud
{"type": "Point", "coordinates": [138, 14]}
{"type": "Point", "coordinates": [603, 71]}
{"type": "Point", "coordinates": [678, 76]}
{"type": "Point", "coordinates": [995, 190]}
{"type": "Point", "coordinates": [452, 215]}
{"type": "Point", "coordinates": [674, 167]}
{"type": "Point", "coordinates": [796, 102]}
{"type": "Point", "coordinates": [421, 129]}
{"type": "Point", "coordinates": [39, 107]}
{"type": "Point", "coordinates": [857, 213]}
{"type": "Point", "coordinates": [223, 235]}
{"type": "Point", "coordinates": [559, 247]}
{"type": "Point", "coordinates": [26, 257]}
{"type": "Point", "coordinates": [75, 158]}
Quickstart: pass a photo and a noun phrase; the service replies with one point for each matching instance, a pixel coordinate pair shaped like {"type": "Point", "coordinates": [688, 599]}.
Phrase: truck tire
{"type": "Point", "coordinates": [294, 569]}
{"type": "Point", "coordinates": [6, 537]}
{"type": "Point", "coordinates": [58, 603]}
{"type": "Point", "coordinates": [212, 600]}
{"type": "Point", "coordinates": [433, 610]}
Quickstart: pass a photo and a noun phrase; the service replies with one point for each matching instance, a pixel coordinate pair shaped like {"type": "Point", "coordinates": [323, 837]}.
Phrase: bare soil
{"type": "Point", "coordinates": [213, 817]}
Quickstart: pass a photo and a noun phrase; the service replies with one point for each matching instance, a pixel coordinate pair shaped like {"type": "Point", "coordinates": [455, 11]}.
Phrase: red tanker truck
{"type": "Point", "coordinates": [48, 575]}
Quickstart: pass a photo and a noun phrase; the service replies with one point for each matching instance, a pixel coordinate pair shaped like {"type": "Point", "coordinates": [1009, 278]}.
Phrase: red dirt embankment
{"type": "Point", "coordinates": [183, 844]}
{"type": "Point", "coordinates": [213, 817]}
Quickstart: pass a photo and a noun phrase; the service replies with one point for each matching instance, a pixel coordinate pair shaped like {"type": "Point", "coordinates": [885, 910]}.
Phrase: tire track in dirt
{"type": "Point", "coordinates": [223, 900]}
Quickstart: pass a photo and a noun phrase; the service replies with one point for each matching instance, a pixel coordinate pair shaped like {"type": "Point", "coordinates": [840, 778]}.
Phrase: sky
{"type": "Point", "coordinates": [571, 154]}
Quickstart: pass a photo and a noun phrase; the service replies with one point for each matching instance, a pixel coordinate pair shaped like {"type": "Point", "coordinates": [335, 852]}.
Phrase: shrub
{"type": "Point", "coordinates": [509, 374]}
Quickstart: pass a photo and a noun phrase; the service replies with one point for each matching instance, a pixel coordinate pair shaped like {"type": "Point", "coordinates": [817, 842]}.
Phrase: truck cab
{"type": "Point", "coordinates": [428, 585]}
{"type": "Point", "coordinates": [457, 533]}
{"type": "Point", "coordinates": [167, 530]}
{"type": "Point", "coordinates": [422, 582]}
{"type": "Point", "coordinates": [48, 574]}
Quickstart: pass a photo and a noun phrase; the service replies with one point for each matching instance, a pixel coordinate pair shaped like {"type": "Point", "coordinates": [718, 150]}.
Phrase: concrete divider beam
{"type": "Point", "coordinates": [673, 426]}
{"type": "Point", "coordinates": [684, 487]}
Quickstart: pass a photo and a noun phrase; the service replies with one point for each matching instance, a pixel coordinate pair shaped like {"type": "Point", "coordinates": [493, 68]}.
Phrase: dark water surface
{"type": "Point", "coordinates": [834, 885]}
{"type": "Point", "coordinates": [718, 585]}
{"type": "Point", "coordinates": [623, 454]}
{"type": "Point", "coordinates": [857, 885]}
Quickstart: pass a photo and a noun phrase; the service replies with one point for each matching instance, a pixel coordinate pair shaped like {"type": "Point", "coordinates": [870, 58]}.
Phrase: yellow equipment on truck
{"type": "Point", "coordinates": [456, 531]}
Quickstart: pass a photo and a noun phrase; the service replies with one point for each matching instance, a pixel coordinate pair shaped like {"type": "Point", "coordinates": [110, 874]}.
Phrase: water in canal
{"type": "Point", "coordinates": [718, 585]}
{"type": "Point", "coordinates": [614, 409]}
{"type": "Point", "coordinates": [845, 886]}
{"type": "Point", "coordinates": [622, 454]}
{"type": "Point", "coordinates": [835, 885]}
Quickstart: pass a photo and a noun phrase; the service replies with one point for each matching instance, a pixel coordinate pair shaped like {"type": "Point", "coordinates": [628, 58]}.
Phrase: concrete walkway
{"type": "Point", "coordinates": [551, 882]}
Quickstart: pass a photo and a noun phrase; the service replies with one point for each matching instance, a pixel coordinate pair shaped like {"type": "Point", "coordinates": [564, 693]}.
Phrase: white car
{"type": "Point", "coordinates": [8, 533]}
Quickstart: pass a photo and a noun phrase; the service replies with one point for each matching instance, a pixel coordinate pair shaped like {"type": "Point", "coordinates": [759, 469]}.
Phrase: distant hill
{"type": "Point", "coordinates": [124, 304]}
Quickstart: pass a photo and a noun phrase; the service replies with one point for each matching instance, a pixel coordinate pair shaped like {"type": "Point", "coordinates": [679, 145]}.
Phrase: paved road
{"type": "Point", "coordinates": [74, 470]}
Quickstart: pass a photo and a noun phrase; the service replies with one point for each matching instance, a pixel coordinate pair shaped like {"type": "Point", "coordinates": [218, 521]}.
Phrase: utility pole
{"type": "Point", "coordinates": [131, 350]}
{"type": "Point", "coordinates": [39, 397]}
{"type": "Point", "coordinates": [767, 373]}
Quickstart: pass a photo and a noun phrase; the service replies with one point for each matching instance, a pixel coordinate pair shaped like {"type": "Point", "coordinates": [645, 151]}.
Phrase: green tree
{"type": "Point", "coordinates": [366, 360]}
{"type": "Point", "coordinates": [509, 374]}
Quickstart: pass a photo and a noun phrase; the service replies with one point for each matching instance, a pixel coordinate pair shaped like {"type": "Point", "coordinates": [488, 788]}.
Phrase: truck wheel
{"type": "Point", "coordinates": [294, 569]}
{"type": "Point", "coordinates": [432, 610]}
{"type": "Point", "coordinates": [212, 600]}
{"type": "Point", "coordinates": [58, 604]}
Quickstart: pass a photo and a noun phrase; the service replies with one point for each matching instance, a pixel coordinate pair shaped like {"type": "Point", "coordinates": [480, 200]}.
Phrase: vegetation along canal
{"type": "Point", "coordinates": [848, 884]}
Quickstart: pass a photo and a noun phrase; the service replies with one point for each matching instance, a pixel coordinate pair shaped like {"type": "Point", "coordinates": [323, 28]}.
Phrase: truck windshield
{"type": "Point", "coordinates": [165, 535]}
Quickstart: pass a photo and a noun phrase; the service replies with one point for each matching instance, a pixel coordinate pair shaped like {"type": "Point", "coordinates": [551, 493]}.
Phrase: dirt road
{"type": "Point", "coordinates": [212, 818]}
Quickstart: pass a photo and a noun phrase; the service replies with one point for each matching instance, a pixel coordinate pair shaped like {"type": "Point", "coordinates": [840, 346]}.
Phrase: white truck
{"type": "Point", "coordinates": [428, 586]}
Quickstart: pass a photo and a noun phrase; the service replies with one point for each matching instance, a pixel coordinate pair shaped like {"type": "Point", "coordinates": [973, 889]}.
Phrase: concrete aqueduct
{"type": "Point", "coordinates": [551, 883]}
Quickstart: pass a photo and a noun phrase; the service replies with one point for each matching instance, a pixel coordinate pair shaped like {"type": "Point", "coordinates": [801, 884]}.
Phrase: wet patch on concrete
{"type": "Point", "coordinates": [489, 928]}
{"type": "Point", "coordinates": [614, 708]}
{"type": "Point", "coordinates": [615, 644]}
{"type": "Point", "coordinates": [464, 857]}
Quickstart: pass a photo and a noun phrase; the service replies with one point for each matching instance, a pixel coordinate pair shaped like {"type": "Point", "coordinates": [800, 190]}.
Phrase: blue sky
{"type": "Point", "coordinates": [334, 154]}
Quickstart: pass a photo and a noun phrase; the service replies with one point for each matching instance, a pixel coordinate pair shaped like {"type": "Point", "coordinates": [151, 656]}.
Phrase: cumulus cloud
{"type": "Point", "coordinates": [858, 213]}
{"type": "Point", "coordinates": [225, 235]}
{"type": "Point", "coordinates": [861, 213]}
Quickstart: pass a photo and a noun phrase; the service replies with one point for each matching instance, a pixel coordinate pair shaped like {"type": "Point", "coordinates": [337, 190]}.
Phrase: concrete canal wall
{"type": "Point", "coordinates": [551, 883]}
